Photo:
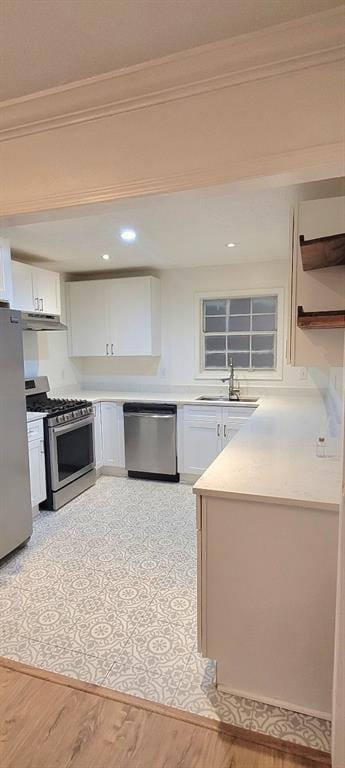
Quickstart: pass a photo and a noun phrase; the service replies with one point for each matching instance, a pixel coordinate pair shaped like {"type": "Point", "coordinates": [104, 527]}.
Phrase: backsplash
{"type": "Point", "coordinates": [46, 354]}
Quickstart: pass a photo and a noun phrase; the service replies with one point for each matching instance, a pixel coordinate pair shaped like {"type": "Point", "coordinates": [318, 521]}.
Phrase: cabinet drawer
{"type": "Point", "coordinates": [202, 412]}
{"type": "Point", "coordinates": [35, 430]}
{"type": "Point", "coordinates": [242, 412]}
{"type": "Point", "coordinates": [233, 423]}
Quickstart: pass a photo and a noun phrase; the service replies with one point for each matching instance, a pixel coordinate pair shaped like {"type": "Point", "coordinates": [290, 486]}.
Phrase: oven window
{"type": "Point", "coordinates": [74, 451]}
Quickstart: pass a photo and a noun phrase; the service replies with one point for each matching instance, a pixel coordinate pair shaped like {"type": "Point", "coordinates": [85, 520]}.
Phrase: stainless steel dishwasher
{"type": "Point", "coordinates": [150, 441]}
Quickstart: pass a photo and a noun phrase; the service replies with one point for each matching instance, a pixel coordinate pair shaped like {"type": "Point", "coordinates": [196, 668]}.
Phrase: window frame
{"type": "Point", "coordinates": [243, 374]}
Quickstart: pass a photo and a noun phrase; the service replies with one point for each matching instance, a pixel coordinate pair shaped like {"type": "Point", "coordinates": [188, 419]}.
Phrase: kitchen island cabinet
{"type": "Point", "coordinates": [267, 586]}
{"type": "Point", "coordinates": [267, 528]}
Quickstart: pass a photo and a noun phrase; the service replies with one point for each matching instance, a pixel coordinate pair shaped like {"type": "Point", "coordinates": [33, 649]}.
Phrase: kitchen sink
{"type": "Point", "coordinates": [224, 399]}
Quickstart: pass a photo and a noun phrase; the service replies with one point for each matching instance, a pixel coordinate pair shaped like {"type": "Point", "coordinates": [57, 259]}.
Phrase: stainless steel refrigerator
{"type": "Point", "coordinates": [15, 501]}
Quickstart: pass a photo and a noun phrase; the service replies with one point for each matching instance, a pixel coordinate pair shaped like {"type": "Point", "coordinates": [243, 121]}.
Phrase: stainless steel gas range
{"type": "Point", "coordinates": [68, 442]}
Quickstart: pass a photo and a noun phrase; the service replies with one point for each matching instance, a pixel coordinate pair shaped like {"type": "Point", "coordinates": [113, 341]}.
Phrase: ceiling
{"type": "Point", "coordinates": [184, 229]}
{"type": "Point", "coordinates": [46, 43]}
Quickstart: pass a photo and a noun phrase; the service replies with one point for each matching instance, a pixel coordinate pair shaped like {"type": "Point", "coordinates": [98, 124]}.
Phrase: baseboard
{"type": "Point", "coordinates": [114, 471]}
{"type": "Point", "coordinates": [188, 479]}
{"type": "Point", "coordinates": [275, 702]}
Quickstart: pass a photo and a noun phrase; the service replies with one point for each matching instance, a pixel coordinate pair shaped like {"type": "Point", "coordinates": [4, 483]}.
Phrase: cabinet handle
{"type": "Point", "coordinates": [42, 446]}
{"type": "Point", "coordinates": [224, 430]}
{"type": "Point", "coordinates": [107, 349]}
{"type": "Point", "coordinates": [36, 303]}
{"type": "Point", "coordinates": [218, 430]}
{"type": "Point", "coordinates": [41, 303]}
{"type": "Point", "coordinates": [112, 349]}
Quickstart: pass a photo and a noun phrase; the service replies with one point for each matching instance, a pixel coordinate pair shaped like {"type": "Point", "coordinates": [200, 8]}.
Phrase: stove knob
{"type": "Point", "coordinates": [59, 419]}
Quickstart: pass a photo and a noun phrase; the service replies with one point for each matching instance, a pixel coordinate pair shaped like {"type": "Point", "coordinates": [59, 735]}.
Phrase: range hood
{"type": "Point", "coordinates": [37, 321]}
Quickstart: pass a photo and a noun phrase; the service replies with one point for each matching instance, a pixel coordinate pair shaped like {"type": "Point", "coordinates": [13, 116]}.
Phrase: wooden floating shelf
{"type": "Point", "coordinates": [329, 319]}
{"type": "Point", "coordinates": [323, 252]}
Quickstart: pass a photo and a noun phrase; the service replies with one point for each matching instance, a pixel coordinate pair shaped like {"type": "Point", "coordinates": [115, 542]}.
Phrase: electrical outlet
{"type": "Point", "coordinates": [303, 374]}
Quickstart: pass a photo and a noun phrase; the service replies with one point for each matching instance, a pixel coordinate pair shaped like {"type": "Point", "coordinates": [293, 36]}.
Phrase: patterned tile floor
{"type": "Point", "coordinates": [105, 591]}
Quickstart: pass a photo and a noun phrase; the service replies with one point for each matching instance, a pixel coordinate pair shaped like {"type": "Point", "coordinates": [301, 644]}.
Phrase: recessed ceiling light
{"type": "Point", "coordinates": [128, 235]}
{"type": "Point", "coordinates": [106, 256]}
{"type": "Point", "coordinates": [230, 245]}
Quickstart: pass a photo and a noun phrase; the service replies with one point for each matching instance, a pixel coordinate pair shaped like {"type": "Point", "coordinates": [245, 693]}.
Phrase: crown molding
{"type": "Point", "coordinates": [307, 42]}
{"type": "Point", "coordinates": [327, 159]}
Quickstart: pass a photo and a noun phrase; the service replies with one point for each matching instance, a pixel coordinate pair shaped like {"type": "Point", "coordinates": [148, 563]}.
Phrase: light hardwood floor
{"type": "Point", "coordinates": [51, 721]}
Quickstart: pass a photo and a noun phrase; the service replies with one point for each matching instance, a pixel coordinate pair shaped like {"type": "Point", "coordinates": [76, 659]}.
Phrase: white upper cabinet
{"type": "Point", "coordinates": [132, 304]}
{"type": "Point", "coordinates": [5, 272]}
{"type": "Point", "coordinates": [22, 287]}
{"type": "Point", "coordinates": [46, 291]}
{"type": "Point", "coordinates": [87, 319]}
{"type": "Point", "coordinates": [35, 290]}
{"type": "Point", "coordinates": [114, 318]}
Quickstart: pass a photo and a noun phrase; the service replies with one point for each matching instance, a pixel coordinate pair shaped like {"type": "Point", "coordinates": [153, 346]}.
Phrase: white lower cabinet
{"type": "Point", "coordinates": [206, 431]}
{"type": "Point", "coordinates": [202, 437]}
{"type": "Point", "coordinates": [287, 612]}
{"type": "Point", "coordinates": [98, 435]}
{"type": "Point", "coordinates": [112, 434]}
{"type": "Point", "coordinates": [231, 425]}
{"type": "Point", "coordinates": [37, 462]}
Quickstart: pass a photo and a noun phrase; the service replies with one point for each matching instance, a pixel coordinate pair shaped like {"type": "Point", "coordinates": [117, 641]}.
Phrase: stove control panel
{"type": "Point", "coordinates": [67, 418]}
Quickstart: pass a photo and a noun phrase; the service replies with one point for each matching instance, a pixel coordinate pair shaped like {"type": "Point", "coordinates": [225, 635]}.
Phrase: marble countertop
{"type": "Point", "coordinates": [273, 458]}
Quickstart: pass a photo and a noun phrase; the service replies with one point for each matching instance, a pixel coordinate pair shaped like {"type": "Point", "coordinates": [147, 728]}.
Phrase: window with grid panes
{"type": "Point", "coordinates": [244, 329]}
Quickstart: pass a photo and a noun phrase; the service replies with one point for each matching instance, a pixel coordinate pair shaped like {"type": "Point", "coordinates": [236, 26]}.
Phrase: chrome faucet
{"type": "Point", "coordinates": [234, 393]}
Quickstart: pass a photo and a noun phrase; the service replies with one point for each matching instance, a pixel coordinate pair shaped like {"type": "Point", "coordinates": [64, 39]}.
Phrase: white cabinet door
{"type": "Point", "coordinates": [130, 316]}
{"type": "Point", "coordinates": [230, 429]}
{"type": "Point", "coordinates": [37, 472]}
{"type": "Point", "coordinates": [110, 438]}
{"type": "Point", "coordinates": [22, 287]}
{"type": "Point", "coordinates": [5, 272]}
{"type": "Point", "coordinates": [46, 291]}
{"type": "Point", "coordinates": [88, 319]}
{"type": "Point", "coordinates": [202, 434]}
{"type": "Point", "coordinates": [109, 318]}
{"type": "Point", "coordinates": [233, 420]}
{"type": "Point", "coordinates": [98, 435]}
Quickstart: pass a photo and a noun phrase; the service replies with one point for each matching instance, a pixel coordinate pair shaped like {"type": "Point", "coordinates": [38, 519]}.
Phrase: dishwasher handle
{"type": "Point", "coordinates": [142, 415]}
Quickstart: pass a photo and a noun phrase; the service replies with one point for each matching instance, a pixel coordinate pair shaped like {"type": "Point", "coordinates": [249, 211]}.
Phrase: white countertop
{"type": "Point", "coordinates": [273, 458]}
{"type": "Point", "coordinates": [34, 416]}
{"type": "Point", "coordinates": [180, 398]}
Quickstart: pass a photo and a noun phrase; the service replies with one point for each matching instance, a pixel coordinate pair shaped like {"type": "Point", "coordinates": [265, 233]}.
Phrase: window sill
{"type": "Point", "coordinates": [242, 376]}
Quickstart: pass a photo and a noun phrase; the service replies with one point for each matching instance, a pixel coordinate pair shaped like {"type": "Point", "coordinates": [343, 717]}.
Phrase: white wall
{"type": "Point", "coordinates": [177, 365]}
{"type": "Point", "coordinates": [46, 354]}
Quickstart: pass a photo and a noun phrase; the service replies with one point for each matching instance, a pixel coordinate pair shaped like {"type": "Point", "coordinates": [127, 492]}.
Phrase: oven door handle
{"type": "Point", "coordinates": [73, 425]}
